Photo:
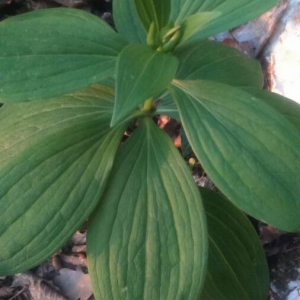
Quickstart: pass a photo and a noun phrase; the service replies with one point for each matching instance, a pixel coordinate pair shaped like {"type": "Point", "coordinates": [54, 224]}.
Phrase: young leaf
{"type": "Point", "coordinates": [128, 22]}
{"type": "Point", "coordinates": [232, 13]}
{"type": "Point", "coordinates": [52, 52]}
{"type": "Point", "coordinates": [287, 107]}
{"type": "Point", "coordinates": [237, 268]}
{"type": "Point", "coordinates": [213, 61]}
{"type": "Point", "coordinates": [248, 149]}
{"type": "Point", "coordinates": [55, 157]}
{"type": "Point", "coordinates": [147, 238]}
{"type": "Point", "coordinates": [197, 22]}
{"type": "Point", "coordinates": [156, 11]}
{"type": "Point", "coordinates": [142, 73]}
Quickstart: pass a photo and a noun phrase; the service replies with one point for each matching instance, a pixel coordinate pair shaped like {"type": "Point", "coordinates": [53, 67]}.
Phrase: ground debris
{"type": "Point", "coordinates": [35, 287]}
{"type": "Point", "coordinates": [6, 292]}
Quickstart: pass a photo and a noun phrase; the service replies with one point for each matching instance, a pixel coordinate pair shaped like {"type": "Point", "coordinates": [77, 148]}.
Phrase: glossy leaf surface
{"type": "Point", "coordinates": [55, 159]}
{"type": "Point", "coordinates": [142, 73]}
{"type": "Point", "coordinates": [232, 12]}
{"type": "Point", "coordinates": [40, 60]}
{"type": "Point", "coordinates": [287, 107]}
{"type": "Point", "coordinates": [213, 61]}
{"type": "Point", "coordinates": [248, 149]}
{"type": "Point", "coordinates": [237, 268]}
{"type": "Point", "coordinates": [128, 22]}
{"type": "Point", "coordinates": [147, 238]}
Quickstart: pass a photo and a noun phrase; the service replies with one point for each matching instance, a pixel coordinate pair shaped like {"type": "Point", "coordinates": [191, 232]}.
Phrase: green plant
{"type": "Point", "coordinates": [61, 127]}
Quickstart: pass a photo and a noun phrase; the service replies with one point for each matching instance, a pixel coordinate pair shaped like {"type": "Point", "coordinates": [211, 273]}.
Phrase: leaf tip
{"type": "Point", "coordinates": [114, 120]}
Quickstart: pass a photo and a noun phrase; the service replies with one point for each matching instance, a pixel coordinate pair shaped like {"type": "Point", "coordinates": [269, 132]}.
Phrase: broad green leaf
{"type": "Point", "coordinates": [213, 61]}
{"type": "Point", "coordinates": [237, 268]}
{"type": "Point", "coordinates": [127, 21]}
{"type": "Point", "coordinates": [156, 11]}
{"type": "Point", "coordinates": [232, 13]}
{"type": "Point", "coordinates": [287, 107]}
{"type": "Point", "coordinates": [142, 73]}
{"type": "Point", "coordinates": [147, 238]}
{"type": "Point", "coordinates": [108, 82]}
{"type": "Point", "coordinates": [55, 157]}
{"type": "Point", "coordinates": [248, 149]}
{"type": "Point", "coordinates": [52, 52]}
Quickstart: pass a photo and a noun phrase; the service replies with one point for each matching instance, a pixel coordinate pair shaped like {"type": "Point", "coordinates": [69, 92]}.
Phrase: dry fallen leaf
{"type": "Point", "coordinates": [37, 287]}
{"type": "Point", "coordinates": [6, 292]}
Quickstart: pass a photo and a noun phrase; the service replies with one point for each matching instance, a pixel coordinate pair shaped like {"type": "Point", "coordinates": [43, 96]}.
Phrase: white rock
{"type": "Point", "coordinates": [283, 55]}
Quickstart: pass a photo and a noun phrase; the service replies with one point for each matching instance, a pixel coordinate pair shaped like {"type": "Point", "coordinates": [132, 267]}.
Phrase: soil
{"type": "Point", "coordinates": [282, 249]}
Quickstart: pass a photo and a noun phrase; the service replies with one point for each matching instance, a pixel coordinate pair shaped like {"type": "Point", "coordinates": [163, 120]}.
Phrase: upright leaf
{"type": "Point", "coordinates": [142, 73]}
{"type": "Point", "coordinates": [213, 61]}
{"type": "Point", "coordinates": [55, 157]}
{"type": "Point", "coordinates": [147, 238]}
{"type": "Point", "coordinates": [128, 22]}
{"type": "Point", "coordinates": [247, 148]}
{"type": "Point", "coordinates": [232, 13]}
{"type": "Point", "coordinates": [237, 268]}
{"type": "Point", "coordinates": [197, 22]}
{"type": "Point", "coordinates": [52, 52]}
{"type": "Point", "coordinates": [156, 11]}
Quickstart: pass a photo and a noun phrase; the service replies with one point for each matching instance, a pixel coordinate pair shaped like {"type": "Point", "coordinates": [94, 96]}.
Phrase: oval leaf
{"type": "Point", "coordinates": [147, 238]}
{"type": "Point", "coordinates": [237, 268]}
{"type": "Point", "coordinates": [232, 13]}
{"type": "Point", "coordinates": [128, 22]}
{"type": "Point", "coordinates": [40, 60]}
{"type": "Point", "coordinates": [213, 61]}
{"type": "Point", "coordinates": [55, 157]}
{"type": "Point", "coordinates": [142, 73]}
{"type": "Point", "coordinates": [247, 148]}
